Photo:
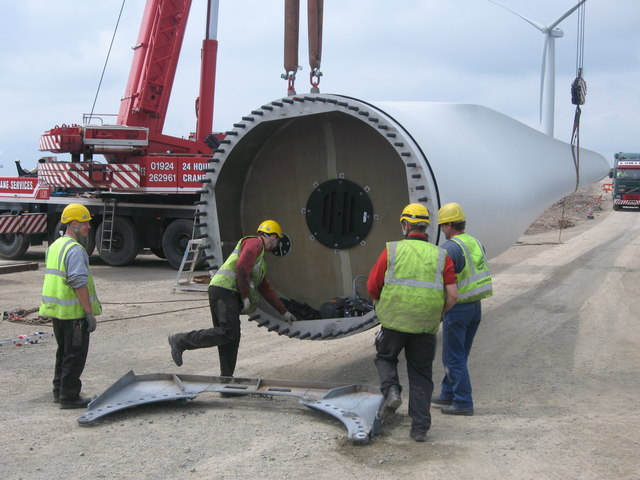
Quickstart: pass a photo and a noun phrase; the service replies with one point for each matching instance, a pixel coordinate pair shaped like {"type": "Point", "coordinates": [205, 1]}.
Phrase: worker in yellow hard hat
{"type": "Point", "coordinates": [413, 284]}
{"type": "Point", "coordinates": [461, 323]}
{"type": "Point", "coordinates": [234, 290]}
{"type": "Point", "coordinates": [69, 299]}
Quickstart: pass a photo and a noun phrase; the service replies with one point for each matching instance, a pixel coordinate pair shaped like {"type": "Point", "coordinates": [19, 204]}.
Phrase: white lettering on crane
{"type": "Point", "coordinates": [192, 178]}
{"type": "Point", "coordinates": [20, 185]}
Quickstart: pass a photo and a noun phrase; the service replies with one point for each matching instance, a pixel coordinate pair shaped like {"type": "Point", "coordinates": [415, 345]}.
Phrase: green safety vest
{"type": "Point", "coordinates": [226, 277]}
{"type": "Point", "coordinates": [474, 281]}
{"type": "Point", "coordinates": [59, 299]}
{"type": "Point", "coordinates": [413, 294]}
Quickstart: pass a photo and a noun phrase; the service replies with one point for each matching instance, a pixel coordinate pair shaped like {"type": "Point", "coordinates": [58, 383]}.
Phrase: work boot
{"type": "Point", "coordinates": [451, 410]}
{"type": "Point", "coordinates": [80, 402]}
{"type": "Point", "coordinates": [418, 436]}
{"type": "Point", "coordinates": [436, 400]}
{"type": "Point", "coordinates": [391, 401]}
{"type": "Point", "coordinates": [176, 352]}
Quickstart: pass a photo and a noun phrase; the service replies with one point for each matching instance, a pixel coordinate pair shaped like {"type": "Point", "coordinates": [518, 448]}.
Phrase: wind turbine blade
{"type": "Point", "coordinates": [554, 24]}
{"type": "Point", "coordinates": [545, 46]}
{"type": "Point", "coordinates": [540, 27]}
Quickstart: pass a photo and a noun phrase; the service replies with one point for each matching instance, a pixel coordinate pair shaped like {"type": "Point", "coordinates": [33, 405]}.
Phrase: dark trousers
{"type": "Point", "coordinates": [458, 331]}
{"type": "Point", "coordinates": [225, 308]}
{"type": "Point", "coordinates": [73, 346]}
{"type": "Point", "coordinates": [419, 351]}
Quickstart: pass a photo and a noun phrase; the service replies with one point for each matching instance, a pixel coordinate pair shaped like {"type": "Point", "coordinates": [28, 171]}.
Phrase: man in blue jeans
{"type": "Point", "coordinates": [461, 322]}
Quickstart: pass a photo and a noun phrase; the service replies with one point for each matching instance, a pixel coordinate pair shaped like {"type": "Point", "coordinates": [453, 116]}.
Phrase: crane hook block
{"type": "Point", "coordinates": [578, 91]}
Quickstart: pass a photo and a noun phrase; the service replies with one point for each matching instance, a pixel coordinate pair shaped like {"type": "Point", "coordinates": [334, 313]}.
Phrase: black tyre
{"type": "Point", "coordinates": [13, 245]}
{"type": "Point", "coordinates": [158, 252]}
{"type": "Point", "coordinates": [61, 227]}
{"type": "Point", "coordinates": [616, 207]}
{"type": "Point", "coordinates": [175, 240]}
{"type": "Point", "coordinates": [124, 243]}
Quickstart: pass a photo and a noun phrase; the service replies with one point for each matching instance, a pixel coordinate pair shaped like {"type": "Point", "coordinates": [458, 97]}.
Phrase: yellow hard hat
{"type": "Point", "coordinates": [450, 212]}
{"type": "Point", "coordinates": [416, 214]}
{"type": "Point", "coordinates": [269, 227]}
{"type": "Point", "coordinates": [75, 211]}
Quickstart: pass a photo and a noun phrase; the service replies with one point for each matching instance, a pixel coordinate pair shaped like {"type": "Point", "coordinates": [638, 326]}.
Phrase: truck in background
{"type": "Point", "coordinates": [626, 180]}
{"type": "Point", "coordinates": [144, 195]}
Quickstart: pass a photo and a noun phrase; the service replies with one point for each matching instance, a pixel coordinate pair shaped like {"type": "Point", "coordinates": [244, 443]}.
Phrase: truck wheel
{"type": "Point", "coordinates": [175, 240]}
{"type": "Point", "coordinates": [616, 207]}
{"type": "Point", "coordinates": [13, 245]}
{"type": "Point", "coordinates": [61, 227]}
{"type": "Point", "coordinates": [158, 252]}
{"type": "Point", "coordinates": [124, 242]}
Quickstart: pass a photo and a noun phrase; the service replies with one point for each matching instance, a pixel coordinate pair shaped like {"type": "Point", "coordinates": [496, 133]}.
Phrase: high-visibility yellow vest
{"type": "Point", "coordinates": [226, 277]}
{"type": "Point", "coordinates": [59, 299]}
{"type": "Point", "coordinates": [413, 294]}
{"type": "Point", "coordinates": [474, 281]}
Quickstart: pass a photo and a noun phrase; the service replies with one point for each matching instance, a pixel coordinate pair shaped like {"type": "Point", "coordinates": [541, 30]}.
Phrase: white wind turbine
{"type": "Point", "coordinates": [548, 76]}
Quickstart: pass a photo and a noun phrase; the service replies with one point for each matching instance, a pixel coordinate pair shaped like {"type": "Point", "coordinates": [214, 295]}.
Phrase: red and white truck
{"type": "Point", "coordinates": [626, 180]}
{"type": "Point", "coordinates": [142, 195]}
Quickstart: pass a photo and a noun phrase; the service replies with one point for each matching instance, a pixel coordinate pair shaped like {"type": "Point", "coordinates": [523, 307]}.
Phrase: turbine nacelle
{"type": "Point", "coordinates": [556, 33]}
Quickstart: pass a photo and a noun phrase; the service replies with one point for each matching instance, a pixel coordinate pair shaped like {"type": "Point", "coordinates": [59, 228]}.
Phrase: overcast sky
{"type": "Point", "coordinates": [466, 51]}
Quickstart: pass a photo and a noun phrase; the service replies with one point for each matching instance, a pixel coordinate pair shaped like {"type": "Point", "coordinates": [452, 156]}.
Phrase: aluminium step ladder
{"type": "Point", "coordinates": [186, 278]}
{"type": "Point", "coordinates": [108, 216]}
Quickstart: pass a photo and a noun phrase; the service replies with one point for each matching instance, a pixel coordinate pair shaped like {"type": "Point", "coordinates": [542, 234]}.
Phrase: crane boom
{"type": "Point", "coordinates": [154, 64]}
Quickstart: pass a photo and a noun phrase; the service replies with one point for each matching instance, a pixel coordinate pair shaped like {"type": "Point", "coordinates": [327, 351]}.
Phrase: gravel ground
{"type": "Point", "coordinates": [573, 209]}
{"type": "Point", "coordinates": [554, 369]}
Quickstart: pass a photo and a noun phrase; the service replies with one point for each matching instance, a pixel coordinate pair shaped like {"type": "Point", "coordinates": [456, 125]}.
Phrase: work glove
{"type": "Point", "coordinates": [91, 322]}
{"type": "Point", "coordinates": [288, 316]}
{"type": "Point", "coordinates": [246, 306]}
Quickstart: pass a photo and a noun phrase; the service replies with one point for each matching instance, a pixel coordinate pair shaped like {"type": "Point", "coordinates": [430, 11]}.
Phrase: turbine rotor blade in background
{"type": "Point", "coordinates": [569, 12]}
{"type": "Point", "coordinates": [540, 27]}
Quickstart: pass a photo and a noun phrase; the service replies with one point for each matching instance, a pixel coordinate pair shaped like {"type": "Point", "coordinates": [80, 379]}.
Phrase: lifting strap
{"type": "Point", "coordinates": [578, 97]}
{"type": "Point", "coordinates": [314, 18]}
{"type": "Point", "coordinates": [578, 94]}
{"type": "Point", "coordinates": [291, 37]}
{"type": "Point", "coordinates": [291, 26]}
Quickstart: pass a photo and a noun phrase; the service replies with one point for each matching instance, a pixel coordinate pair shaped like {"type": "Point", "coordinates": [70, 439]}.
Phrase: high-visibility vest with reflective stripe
{"type": "Point", "coordinates": [474, 281]}
{"type": "Point", "coordinates": [226, 277]}
{"type": "Point", "coordinates": [59, 299]}
{"type": "Point", "coordinates": [413, 295]}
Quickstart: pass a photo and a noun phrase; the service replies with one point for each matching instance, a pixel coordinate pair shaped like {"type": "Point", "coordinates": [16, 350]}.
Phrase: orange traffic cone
{"type": "Point", "coordinates": [590, 212]}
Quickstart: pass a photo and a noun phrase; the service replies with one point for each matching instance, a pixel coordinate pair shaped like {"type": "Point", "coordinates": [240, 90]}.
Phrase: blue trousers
{"type": "Point", "coordinates": [459, 327]}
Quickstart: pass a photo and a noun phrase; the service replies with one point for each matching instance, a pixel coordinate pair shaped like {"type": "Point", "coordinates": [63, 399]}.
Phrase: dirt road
{"type": "Point", "coordinates": [555, 370]}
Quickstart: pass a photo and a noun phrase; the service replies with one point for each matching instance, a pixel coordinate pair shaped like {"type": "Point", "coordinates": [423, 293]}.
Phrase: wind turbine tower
{"type": "Point", "coordinates": [548, 75]}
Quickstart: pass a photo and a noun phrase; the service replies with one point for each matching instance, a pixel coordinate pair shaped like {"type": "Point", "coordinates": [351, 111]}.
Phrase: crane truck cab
{"type": "Point", "coordinates": [626, 180]}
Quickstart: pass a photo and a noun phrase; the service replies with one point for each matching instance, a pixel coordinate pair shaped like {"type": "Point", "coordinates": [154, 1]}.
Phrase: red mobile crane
{"type": "Point", "coordinates": [143, 197]}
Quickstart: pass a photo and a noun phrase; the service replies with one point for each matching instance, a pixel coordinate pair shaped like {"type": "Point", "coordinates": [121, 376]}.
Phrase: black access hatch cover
{"type": "Point", "coordinates": [339, 213]}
